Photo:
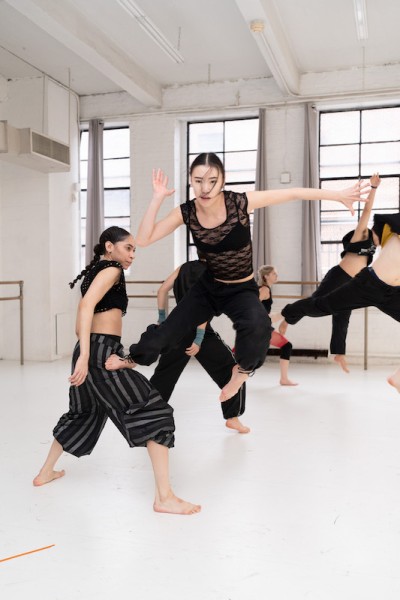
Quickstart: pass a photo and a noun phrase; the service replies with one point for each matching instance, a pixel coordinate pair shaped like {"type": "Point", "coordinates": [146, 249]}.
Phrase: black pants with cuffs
{"type": "Point", "coordinates": [365, 289]}
{"type": "Point", "coordinates": [206, 299]}
{"type": "Point", "coordinates": [334, 278]}
{"type": "Point", "coordinates": [125, 396]}
{"type": "Point", "coordinates": [217, 360]}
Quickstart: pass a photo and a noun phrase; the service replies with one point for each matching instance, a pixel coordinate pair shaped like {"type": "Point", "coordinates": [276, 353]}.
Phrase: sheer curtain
{"type": "Point", "coordinates": [261, 238]}
{"type": "Point", "coordinates": [311, 239]}
{"type": "Point", "coordinates": [95, 188]}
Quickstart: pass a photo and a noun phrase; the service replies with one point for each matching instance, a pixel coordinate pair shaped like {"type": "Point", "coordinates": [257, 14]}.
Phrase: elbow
{"type": "Point", "coordinates": [142, 242]}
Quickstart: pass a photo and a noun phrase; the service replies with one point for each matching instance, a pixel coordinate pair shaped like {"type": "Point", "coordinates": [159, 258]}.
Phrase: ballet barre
{"type": "Point", "coordinates": [20, 297]}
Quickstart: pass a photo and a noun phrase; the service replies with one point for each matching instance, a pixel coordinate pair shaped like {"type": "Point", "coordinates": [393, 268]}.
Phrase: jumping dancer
{"type": "Point", "coordinates": [126, 397]}
{"type": "Point", "coordinates": [220, 225]}
{"type": "Point", "coordinates": [358, 250]}
{"type": "Point", "coordinates": [267, 276]}
{"type": "Point", "coordinates": [377, 285]}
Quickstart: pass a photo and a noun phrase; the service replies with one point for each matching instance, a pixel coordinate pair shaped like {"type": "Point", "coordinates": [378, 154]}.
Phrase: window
{"type": "Point", "coordinates": [354, 144]}
{"type": "Point", "coordinates": [235, 142]}
{"type": "Point", "coordinates": [116, 166]}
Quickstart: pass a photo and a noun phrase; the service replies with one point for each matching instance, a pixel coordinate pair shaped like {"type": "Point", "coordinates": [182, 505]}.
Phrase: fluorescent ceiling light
{"type": "Point", "coordinates": [360, 13]}
{"type": "Point", "coordinates": [151, 29]}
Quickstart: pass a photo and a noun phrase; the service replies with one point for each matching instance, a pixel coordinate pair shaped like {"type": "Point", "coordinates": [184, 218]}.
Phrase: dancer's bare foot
{"type": "Point", "coordinates": [175, 506]}
{"type": "Point", "coordinates": [340, 359]}
{"type": "Point", "coordinates": [234, 423]}
{"type": "Point", "coordinates": [287, 382]}
{"type": "Point", "coordinates": [46, 477]}
{"type": "Point", "coordinates": [394, 380]}
{"type": "Point", "coordinates": [233, 385]}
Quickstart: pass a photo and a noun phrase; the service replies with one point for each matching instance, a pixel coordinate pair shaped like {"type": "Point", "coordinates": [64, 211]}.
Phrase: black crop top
{"type": "Point", "coordinates": [226, 248]}
{"type": "Point", "coordinates": [363, 248]}
{"type": "Point", "coordinates": [116, 296]}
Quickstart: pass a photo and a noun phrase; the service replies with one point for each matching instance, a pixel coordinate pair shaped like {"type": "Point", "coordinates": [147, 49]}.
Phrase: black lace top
{"type": "Point", "coordinates": [226, 248]}
{"type": "Point", "coordinates": [116, 296]}
{"type": "Point", "coordinates": [362, 248]}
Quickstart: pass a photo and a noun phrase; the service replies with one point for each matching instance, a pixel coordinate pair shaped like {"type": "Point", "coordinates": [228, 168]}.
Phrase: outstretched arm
{"type": "Point", "coordinates": [361, 231]}
{"type": "Point", "coordinates": [346, 196]}
{"type": "Point", "coordinates": [150, 231]}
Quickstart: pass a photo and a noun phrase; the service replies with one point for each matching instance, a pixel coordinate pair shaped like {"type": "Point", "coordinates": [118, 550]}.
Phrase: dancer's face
{"type": "Point", "coordinates": [272, 277]}
{"type": "Point", "coordinates": [123, 251]}
{"type": "Point", "coordinates": [207, 183]}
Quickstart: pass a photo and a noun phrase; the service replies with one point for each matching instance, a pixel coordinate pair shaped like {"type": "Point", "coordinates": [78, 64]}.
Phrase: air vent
{"type": "Point", "coordinates": [34, 150]}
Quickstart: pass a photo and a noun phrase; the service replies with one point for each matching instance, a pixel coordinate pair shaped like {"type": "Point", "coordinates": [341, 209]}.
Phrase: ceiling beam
{"type": "Point", "coordinates": [71, 28]}
{"type": "Point", "coordinates": [272, 42]}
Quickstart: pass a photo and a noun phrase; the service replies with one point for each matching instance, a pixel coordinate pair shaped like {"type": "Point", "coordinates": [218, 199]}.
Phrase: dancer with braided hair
{"type": "Point", "coordinates": [125, 396]}
{"type": "Point", "coordinates": [219, 222]}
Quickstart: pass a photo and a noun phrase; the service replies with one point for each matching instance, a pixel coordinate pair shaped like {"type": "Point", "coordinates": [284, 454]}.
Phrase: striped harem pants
{"type": "Point", "coordinates": [125, 396]}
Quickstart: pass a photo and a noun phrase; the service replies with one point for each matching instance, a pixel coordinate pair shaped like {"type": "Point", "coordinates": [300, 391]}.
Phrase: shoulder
{"type": "Point", "coordinates": [185, 210]}
{"type": "Point", "coordinates": [239, 198]}
{"type": "Point", "coordinates": [265, 292]}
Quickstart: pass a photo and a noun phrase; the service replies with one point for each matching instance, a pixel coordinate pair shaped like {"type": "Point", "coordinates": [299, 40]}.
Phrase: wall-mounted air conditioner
{"type": "Point", "coordinates": [34, 150]}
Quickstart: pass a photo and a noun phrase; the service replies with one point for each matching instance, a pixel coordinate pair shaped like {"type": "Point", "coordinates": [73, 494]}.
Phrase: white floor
{"type": "Point", "coordinates": [307, 506]}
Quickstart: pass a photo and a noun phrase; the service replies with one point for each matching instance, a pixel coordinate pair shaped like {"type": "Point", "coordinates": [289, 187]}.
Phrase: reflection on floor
{"type": "Point", "coordinates": [306, 506]}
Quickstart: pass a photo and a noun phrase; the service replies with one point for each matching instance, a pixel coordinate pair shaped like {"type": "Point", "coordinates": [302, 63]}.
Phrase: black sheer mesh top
{"type": "Point", "coordinates": [362, 248]}
{"type": "Point", "coordinates": [116, 296]}
{"type": "Point", "coordinates": [226, 248]}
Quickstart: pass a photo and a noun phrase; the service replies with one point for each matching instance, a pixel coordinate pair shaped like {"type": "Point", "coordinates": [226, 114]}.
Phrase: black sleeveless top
{"type": "Point", "coordinates": [267, 304]}
{"type": "Point", "coordinates": [363, 248]}
{"type": "Point", "coordinates": [116, 296]}
{"type": "Point", "coordinates": [226, 248]}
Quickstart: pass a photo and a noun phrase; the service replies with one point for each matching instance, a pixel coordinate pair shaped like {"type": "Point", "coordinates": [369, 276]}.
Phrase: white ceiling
{"type": "Point", "coordinates": [95, 46]}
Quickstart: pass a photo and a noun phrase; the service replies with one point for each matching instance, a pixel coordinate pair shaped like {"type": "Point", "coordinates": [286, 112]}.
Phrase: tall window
{"type": "Point", "coordinates": [235, 142]}
{"type": "Point", "coordinates": [116, 157]}
{"type": "Point", "coordinates": [353, 145]}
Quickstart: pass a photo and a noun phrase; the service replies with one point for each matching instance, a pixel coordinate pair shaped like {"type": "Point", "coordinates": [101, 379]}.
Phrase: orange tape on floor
{"type": "Point", "coordinates": [25, 553]}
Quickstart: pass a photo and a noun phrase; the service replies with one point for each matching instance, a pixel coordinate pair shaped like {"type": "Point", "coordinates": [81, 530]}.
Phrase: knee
{"type": "Point", "coordinates": [286, 351]}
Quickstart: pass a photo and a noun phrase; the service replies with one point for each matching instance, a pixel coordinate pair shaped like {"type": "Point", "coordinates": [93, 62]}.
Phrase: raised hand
{"type": "Point", "coordinates": [354, 193]}
{"type": "Point", "coordinates": [160, 185]}
{"type": "Point", "coordinates": [375, 180]}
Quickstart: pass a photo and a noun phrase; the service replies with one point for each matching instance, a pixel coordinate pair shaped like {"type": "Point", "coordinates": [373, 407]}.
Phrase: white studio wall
{"type": "Point", "coordinates": [39, 223]}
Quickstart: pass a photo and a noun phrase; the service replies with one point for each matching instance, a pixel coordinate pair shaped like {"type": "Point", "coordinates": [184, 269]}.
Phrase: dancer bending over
{"type": "Point", "coordinates": [377, 285]}
{"type": "Point", "coordinates": [126, 397]}
{"type": "Point", "coordinates": [267, 276]}
{"type": "Point", "coordinates": [358, 250]}
{"type": "Point", "coordinates": [219, 223]}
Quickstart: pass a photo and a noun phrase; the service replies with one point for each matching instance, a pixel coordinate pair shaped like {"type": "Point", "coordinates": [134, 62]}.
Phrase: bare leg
{"type": "Point", "coordinates": [47, 472]}
{"type": "Point", "coordinates": [340, 359]}
{"type": "Point", "coordinates": [165, 500]}
{"type": "Point", "coordinates": [233, 385]}
{"type": "Point", "coordinates": [394, 380]}
{"type": "Point", "coordinates": [284, 366]}
{"type": "Point", "coordinates": [234, 423]}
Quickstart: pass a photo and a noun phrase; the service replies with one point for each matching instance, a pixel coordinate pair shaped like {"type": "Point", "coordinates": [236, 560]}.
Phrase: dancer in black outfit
{"type": "Point", "coordinates": [204, 344]}
{"type": "Point", "coordinates": [358, 250]}
{"type": "Point", "coordinates": [377, 285]}
{"type": "Point", "coordinates": [220, 225]}
{"type": "Point", "coordinates": [126, 397]}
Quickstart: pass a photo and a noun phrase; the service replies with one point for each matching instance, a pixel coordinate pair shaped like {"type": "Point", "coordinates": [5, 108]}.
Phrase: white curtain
{"type": "Point", "coordinates": [261, 238]}
{"type": "Point", "coordinates": [311, 239]}
{"type": "Point", "coordinates": [95, 188]}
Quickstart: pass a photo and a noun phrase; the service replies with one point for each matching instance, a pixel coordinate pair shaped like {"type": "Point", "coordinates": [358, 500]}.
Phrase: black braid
{"type": "Point", "coordinates": [113, 234]}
